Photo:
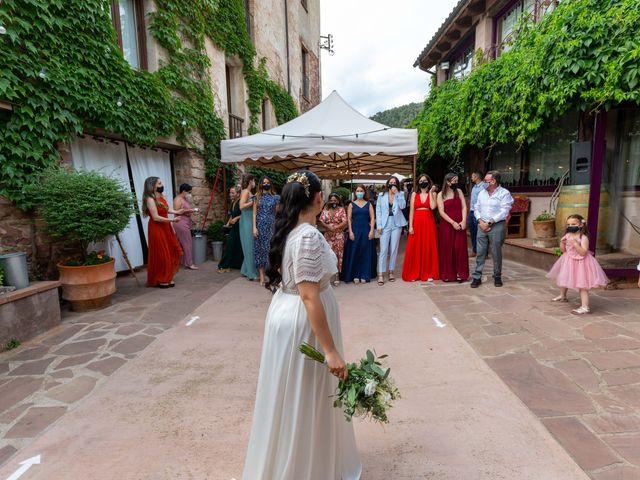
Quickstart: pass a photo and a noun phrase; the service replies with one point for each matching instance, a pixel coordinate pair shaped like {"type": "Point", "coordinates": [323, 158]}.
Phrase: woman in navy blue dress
{"type": "Point", "coordinates": [264, 218]}
{"type": "Point", "coordinates": [359, 261]}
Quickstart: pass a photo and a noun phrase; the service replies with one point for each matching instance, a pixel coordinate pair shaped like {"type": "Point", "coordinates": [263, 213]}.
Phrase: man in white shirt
{"type": "Point", "coordinates": [491, 210]}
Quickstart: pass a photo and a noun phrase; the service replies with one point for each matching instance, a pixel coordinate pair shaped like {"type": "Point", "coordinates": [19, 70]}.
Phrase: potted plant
{"type": "Point", "coordinates": [545, 227]}
{"type": "Point", "coordinates": [82, 207]}
{"type": "Point", "coordinates": [215, 232]}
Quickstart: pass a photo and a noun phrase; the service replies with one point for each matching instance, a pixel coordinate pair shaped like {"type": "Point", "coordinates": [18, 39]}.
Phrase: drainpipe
{"type": "Point", "coordinates": [286, 32]}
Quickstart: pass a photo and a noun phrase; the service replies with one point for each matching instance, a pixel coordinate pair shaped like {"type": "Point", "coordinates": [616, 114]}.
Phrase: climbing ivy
{"type": "Point", "coordinates": [585, 55]}
{"type": "Point", "coordinates": [61, 68]}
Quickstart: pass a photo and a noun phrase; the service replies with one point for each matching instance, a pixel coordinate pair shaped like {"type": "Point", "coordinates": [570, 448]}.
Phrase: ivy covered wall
{"type": "Point", "coordinates": [585, 55]}
{"type": "Point", "coordinates": [63, 71]}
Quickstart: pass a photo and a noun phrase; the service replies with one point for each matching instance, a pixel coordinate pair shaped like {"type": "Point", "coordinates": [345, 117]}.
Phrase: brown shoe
{"type": "Point", "coordinates": [473, 254]}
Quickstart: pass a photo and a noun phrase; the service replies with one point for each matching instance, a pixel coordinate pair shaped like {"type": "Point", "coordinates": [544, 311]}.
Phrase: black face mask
{"type": "Point", "coordinates": [160, 189]}
{"type": "Point", "coordinates": [392, 185]}
{"type": "Point", "coordinates": [266, 187]}
{"type": "Point", "coordinates": [423, 184]}
{"type": "Point", "coordinates": [455, 186]}
{"type": "Point", "coordinates": [333, 205]}
{"type": "Point", "coordinates": [573, 229]}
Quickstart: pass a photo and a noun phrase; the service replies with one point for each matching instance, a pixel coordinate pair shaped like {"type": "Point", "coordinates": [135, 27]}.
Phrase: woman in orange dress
{"type": "Point", "coordinates": [421, 256]}
{"type": "Point", "coordinates": [164, 249]}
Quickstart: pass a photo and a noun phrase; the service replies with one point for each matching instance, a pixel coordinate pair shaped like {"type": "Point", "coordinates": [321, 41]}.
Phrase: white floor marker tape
{"type": "Point", "coordinates": [24, 466]}
{"type": "Point", "coordinates": [193, 319]}
{"type": "Point", "coordinates": [438, 323]}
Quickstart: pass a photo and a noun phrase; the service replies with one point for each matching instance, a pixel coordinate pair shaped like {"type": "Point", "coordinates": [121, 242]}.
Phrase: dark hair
{"type": "Point", "coordinates": [418, 189]}
{"type": "Point", "coordinates": [583, 223]}
{"type": "Point", "coordinates": [336, 196]}
{"type": "Point", "coordinates": [478, 173]}
{"type": "Point", "coordinates": [447, 178]}
{"type": "Point", "coordinates": [246, 179]}
{"type": "Point", "coordinates": [495, 175]}
{"type": "Point", "coordinates": [185, 187]}
{"type": "Point", "coordinates": [392, 177]}
{"type": "Point", "coordinates": [294, 199]}
{"type": "Point", "coordinates": [259, 190]}
{"type": "Point", "coordinates": [149, 192]}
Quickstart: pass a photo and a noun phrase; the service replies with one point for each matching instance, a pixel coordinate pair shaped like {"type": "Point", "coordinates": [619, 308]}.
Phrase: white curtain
{"type": "Point", "coordinates": [110, 159]}
{"type": "Point", "coordinates": [146, 162]}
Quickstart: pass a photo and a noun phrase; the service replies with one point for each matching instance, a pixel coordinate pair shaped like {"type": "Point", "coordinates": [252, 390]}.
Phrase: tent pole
{"type": "Point", "coordinates": [415, 162]}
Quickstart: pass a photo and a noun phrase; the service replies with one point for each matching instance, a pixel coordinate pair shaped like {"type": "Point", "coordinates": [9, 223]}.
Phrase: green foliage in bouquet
{"type": "Point", "coordinates": [83, 207]}
{"type": "Point", "coordinates": [368, 391]}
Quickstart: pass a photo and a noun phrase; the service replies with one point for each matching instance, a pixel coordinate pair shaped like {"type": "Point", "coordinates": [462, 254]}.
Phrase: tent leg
{"type": "Point", "coordinates": [415, 164]}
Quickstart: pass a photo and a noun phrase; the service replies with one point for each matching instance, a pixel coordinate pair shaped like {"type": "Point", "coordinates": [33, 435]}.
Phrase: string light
{"type": "Point", "coordinates": [2, 30]}
{"type": "Point", "coordinates": [184, 122]}
{"type": "Point", "coordinates": [119, 102]}
{"type": "Point", "coordinates": [43, 73]}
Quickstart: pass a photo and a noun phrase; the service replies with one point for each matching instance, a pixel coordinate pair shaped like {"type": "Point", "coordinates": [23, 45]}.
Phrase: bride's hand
{"type": "Point", "coordinates": [336, 365]}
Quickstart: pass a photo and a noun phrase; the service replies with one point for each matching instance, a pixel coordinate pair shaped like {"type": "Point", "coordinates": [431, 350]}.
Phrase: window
{"type": "Point", "coordinates": [548, 157]}
{"type": "Point", "coordinates": [507, 159]}
{"type": "Point", "coordinates": [305, 74]}
{"type": "Point", "coordinates": [508, 20]}
{"type": "Point", "coordinates": [128, 20]}
{"type": "Point", "coordinates": [461, 66]}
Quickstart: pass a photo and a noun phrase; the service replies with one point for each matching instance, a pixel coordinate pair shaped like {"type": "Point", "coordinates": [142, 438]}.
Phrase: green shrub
{"type": "Point", "coordinates": [544, 216]}
{"type": "Point", "coordinates": [1, 276]}
{"type": "Point", "coordinates": [11, 344]}
{"type": "Point", "coordinates": [344, 193]}
{"type": "Point", "coordinates": [83, 207]}
{"type": "Point", "coordinates": [215, 231]}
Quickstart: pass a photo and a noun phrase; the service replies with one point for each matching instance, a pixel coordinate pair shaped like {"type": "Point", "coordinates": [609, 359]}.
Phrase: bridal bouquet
{"type": "Point", "coordinates": [367, 392]}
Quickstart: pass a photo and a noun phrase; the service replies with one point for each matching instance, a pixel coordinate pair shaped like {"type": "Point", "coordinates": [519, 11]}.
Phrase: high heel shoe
{"type": "Point", "coordinates": [560, 298]}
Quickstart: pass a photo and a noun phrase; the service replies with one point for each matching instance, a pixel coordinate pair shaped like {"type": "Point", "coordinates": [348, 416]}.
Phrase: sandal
{"type": "Point", "coordinates": [391, 277]}
{"type": "Point", "coordinates": [560, 298]}
{"type": "Point", "coordinates": [581, 310]}
{"type": "Point", "coordinates": [380, 280]}
{"type": "Point", "coordinates": [356, 281]}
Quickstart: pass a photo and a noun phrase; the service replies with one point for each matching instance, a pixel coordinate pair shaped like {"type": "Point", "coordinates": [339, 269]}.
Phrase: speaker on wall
{"type": "Point", "coordinates": [580, 163]}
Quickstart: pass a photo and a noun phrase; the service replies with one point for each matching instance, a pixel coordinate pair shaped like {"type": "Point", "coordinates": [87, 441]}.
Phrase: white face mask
{"type": "Point", "coordinates": [189, 197]}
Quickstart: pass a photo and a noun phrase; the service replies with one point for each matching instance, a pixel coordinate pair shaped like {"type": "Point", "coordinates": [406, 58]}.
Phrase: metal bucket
{"type": "Point", "coordinates": [15, 269]}
{"type": "Point", "coordinates": [199, 246]}
{"type": "Point", "coordinates": [217, 251]}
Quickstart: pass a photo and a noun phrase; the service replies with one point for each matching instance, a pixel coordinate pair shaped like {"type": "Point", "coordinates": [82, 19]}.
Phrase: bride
{"type": "Point", "coordinates": [296, 433]}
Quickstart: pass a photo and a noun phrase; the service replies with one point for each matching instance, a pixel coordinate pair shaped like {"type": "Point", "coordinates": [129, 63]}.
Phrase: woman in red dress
{"type": "Point", "coordinates": [454, 258]}
{"type": "Point", "coordinates": [164, 248]}
{"type": "Point", "coordinates": [421, 256]}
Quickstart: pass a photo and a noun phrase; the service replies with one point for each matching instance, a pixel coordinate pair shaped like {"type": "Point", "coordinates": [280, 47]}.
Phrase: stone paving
{"type": "Point", "coordinates": [47, 376]}
{"type": "Point", "coordinates": [580, 375]}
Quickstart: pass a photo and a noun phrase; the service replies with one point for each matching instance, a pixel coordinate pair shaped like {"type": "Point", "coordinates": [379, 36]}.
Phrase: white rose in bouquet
{"type": "Point", "coordinates": [370, 388]}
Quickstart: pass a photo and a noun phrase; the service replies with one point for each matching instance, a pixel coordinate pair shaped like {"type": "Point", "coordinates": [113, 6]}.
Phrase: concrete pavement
{"type": "Point", "coordinates": [182, 408]}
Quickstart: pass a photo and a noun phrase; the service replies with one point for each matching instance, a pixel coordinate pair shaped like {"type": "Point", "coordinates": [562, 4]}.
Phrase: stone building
{"type": "Point", "coordinates": [284, 32]}
{"type": "Point", "coordinates": [595, 157]}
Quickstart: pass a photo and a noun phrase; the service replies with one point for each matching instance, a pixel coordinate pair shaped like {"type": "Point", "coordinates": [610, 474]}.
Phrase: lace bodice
{"type": "Point", "coordinates": [307, 258]}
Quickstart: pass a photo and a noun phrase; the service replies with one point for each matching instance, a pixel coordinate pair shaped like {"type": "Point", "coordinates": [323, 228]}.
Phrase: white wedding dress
{"type": "Point", "coordinates": [296, 433]}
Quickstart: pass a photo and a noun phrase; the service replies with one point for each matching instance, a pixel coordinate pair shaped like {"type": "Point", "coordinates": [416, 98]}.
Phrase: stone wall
{"type": "Point", "coordinates": [190, 168]}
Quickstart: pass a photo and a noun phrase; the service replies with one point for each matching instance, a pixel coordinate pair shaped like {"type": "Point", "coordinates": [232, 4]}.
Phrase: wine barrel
{"type": "Point", "coordinates": [575, 199]}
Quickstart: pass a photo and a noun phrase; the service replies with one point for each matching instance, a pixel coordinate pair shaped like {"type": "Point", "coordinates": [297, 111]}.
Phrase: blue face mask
{"type": "Point", "coordinates": [359, 195]}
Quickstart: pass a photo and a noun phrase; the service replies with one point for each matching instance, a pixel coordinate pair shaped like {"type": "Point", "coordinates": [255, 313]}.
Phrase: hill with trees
{"type": "Point", "coordinates": [398, 117]}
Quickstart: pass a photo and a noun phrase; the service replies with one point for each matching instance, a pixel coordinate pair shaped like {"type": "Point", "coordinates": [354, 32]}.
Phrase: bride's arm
{"type": "Point", "coordinates": [310, 295]}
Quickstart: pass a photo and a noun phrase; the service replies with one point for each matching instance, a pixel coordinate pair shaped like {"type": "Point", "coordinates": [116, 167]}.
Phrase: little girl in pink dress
{"type": "Point", "coordinates": [577, 268]}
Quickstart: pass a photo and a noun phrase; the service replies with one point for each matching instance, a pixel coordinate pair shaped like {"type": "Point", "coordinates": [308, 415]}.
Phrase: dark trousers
{"type": "Point", "coordinates": [495, 237]}
{"type": "Point", "coordinates": [473, 231]}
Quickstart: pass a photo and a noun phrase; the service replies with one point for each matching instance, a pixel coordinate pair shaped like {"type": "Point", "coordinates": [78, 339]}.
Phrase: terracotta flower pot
{"type": "Point", "coordinates": [88, 287]}
{"type": "Point", "coordinates": [545, 228]}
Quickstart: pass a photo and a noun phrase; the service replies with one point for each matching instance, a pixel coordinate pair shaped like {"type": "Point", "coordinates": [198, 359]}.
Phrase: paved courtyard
{"type": "Point", "coordinates": [579, 374]}
{"type": "Point", "coordinates": [147, 398]}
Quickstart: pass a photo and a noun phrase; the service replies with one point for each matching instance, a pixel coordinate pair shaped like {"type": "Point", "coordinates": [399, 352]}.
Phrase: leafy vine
{"type": "Point", "coordinates": [63, 72]}
{"type": "Point", "coordinates": [585, 55]}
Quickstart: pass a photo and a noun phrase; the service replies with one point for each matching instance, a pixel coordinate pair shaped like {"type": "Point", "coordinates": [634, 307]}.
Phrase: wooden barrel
{"type": "Point", "coordinates": [575, 199]}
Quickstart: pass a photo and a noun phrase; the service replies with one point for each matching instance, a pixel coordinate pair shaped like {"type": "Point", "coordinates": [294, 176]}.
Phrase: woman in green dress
{"type": "Point", "coordinates": [247, 197]}
{"type": "Point", "coordinates": [232, 256]}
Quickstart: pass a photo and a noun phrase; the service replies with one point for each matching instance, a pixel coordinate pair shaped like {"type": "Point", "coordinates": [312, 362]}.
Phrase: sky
{"type": "Point", "coordinates": [376, 43]}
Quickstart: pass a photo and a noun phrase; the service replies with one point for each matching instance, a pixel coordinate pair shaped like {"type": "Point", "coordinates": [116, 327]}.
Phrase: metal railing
{"type": "Point", "coordinates": [235, 126]}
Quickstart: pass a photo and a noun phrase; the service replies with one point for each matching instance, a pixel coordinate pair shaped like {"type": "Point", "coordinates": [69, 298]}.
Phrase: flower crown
{"type": "Point", "coordinates": [302, 179]}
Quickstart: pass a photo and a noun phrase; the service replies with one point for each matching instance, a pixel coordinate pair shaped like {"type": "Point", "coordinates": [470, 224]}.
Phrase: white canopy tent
{"type": "Point", "coordinates": [333, 140]}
